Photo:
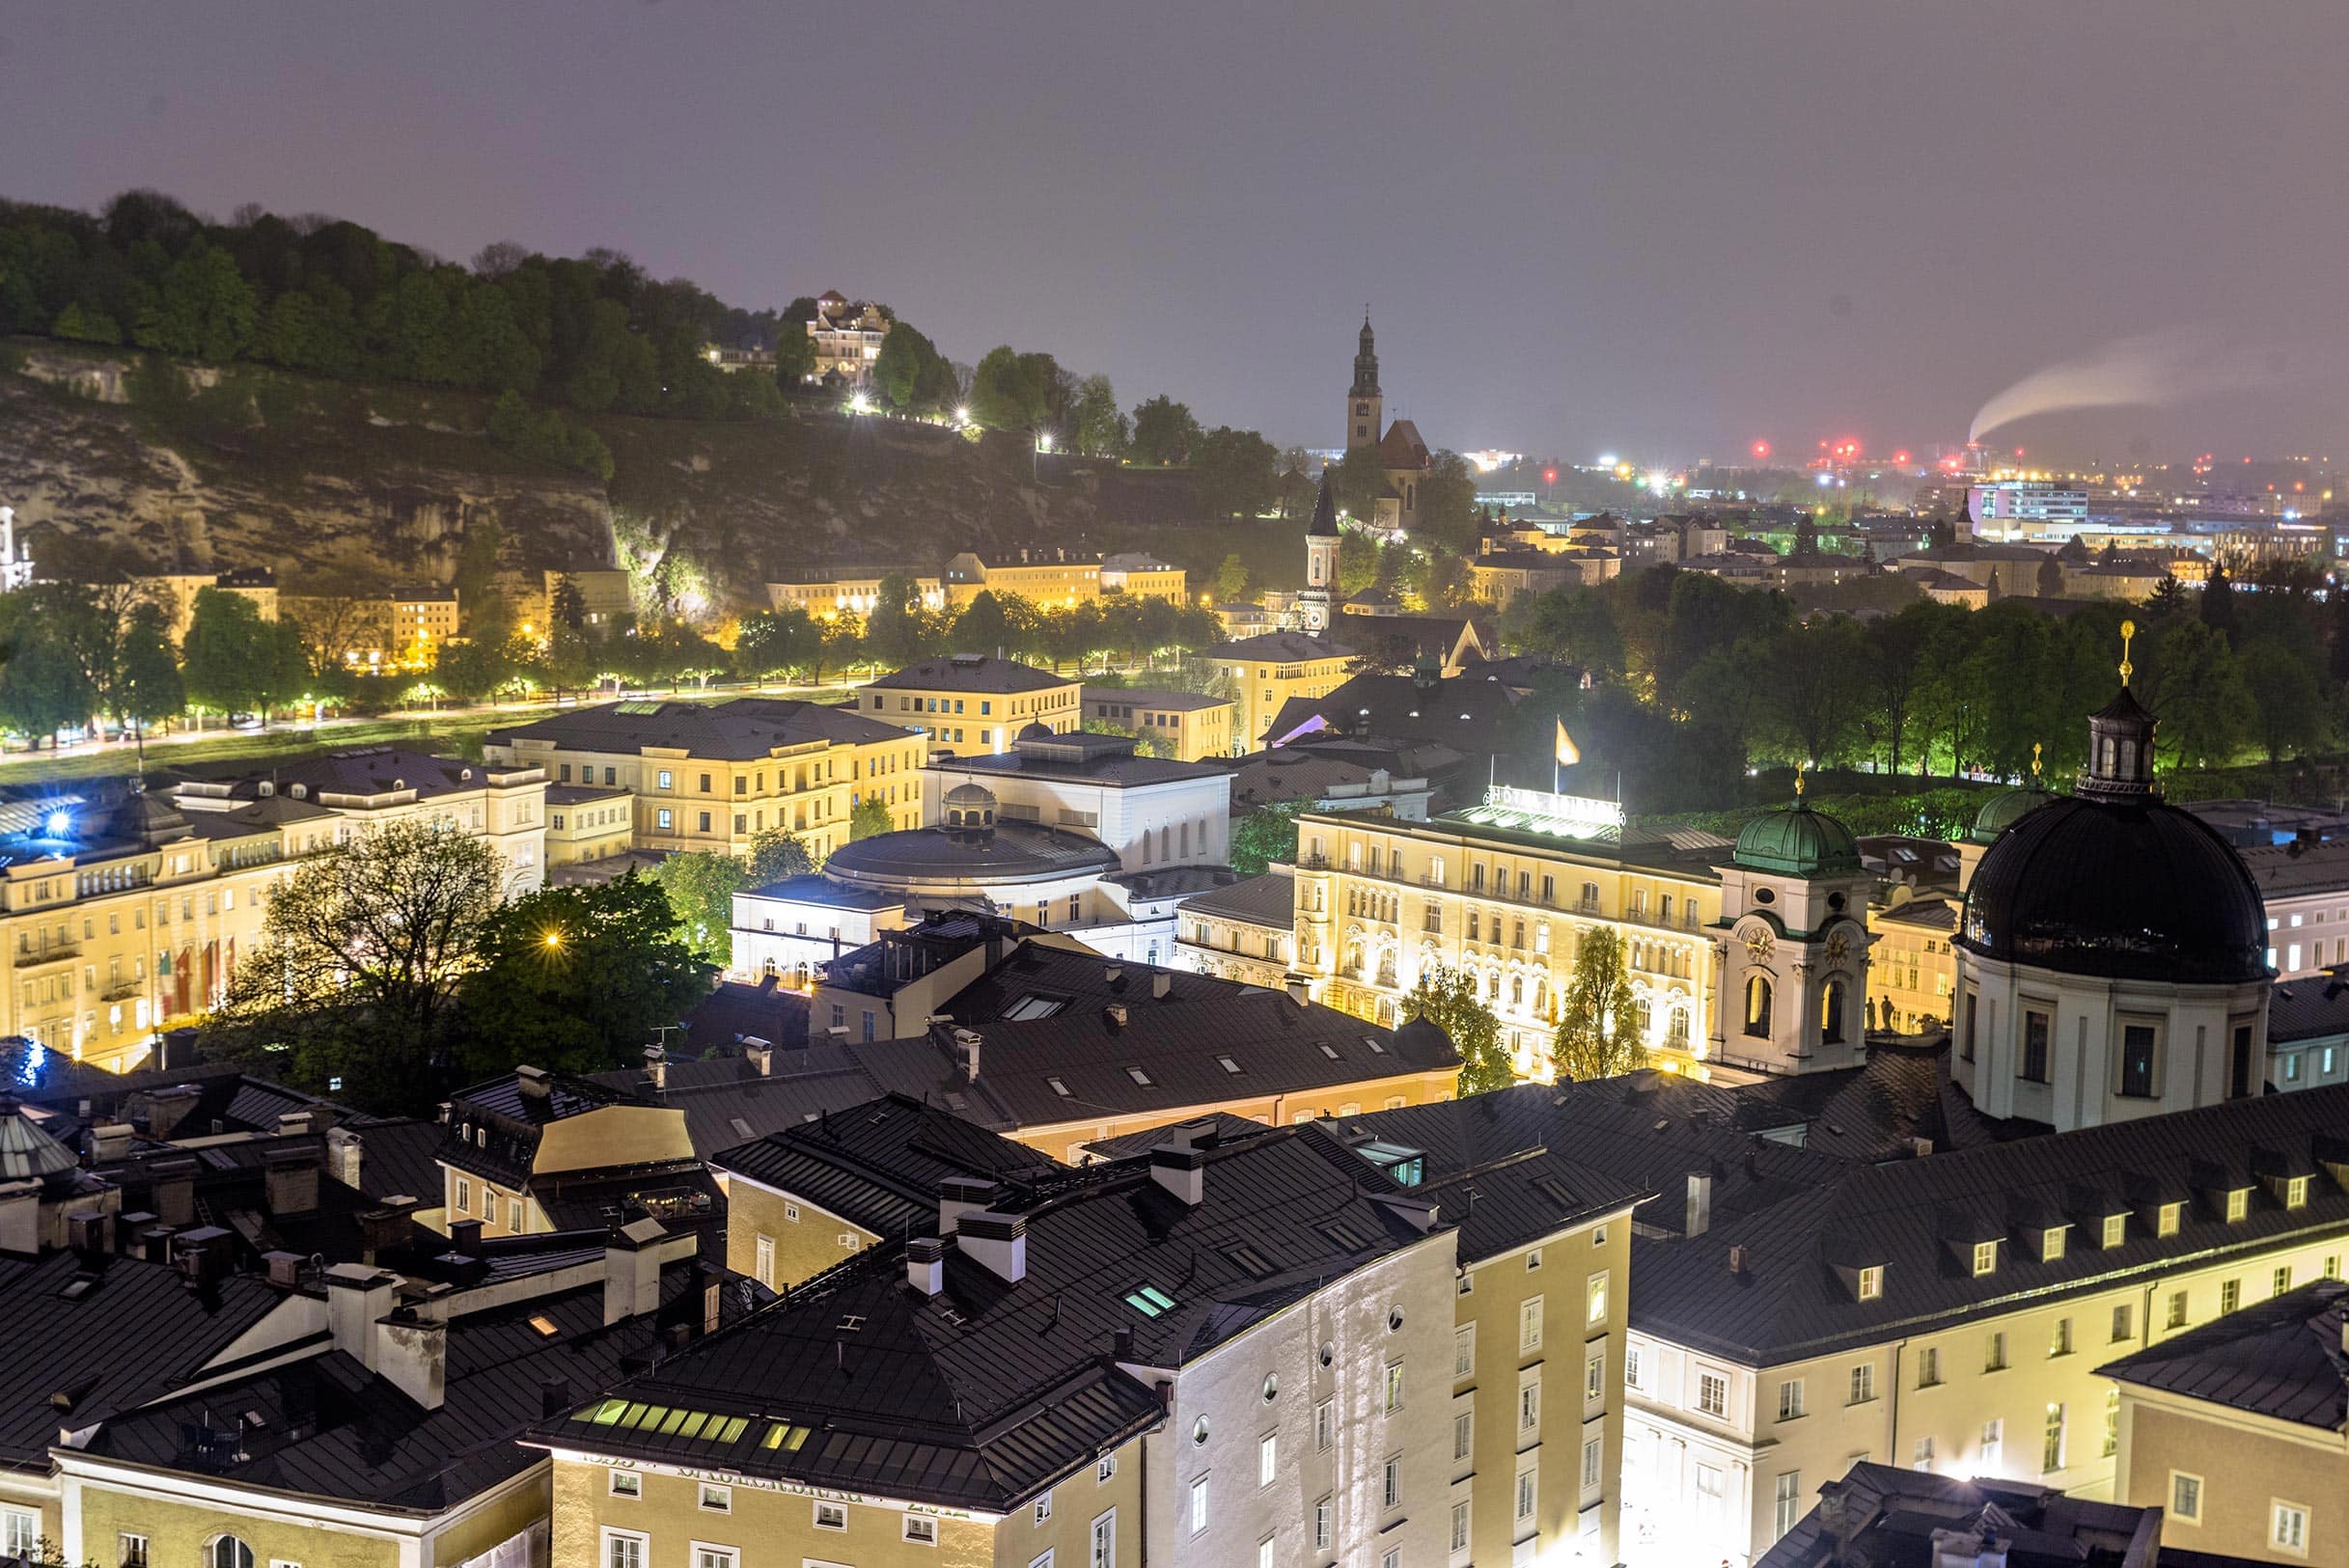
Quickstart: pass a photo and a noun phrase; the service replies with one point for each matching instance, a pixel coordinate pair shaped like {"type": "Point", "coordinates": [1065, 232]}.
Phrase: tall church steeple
{"type": "Point", "coordinates": [1364, 403]}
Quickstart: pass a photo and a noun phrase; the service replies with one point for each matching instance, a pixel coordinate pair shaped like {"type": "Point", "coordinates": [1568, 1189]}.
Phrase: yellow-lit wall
{"type": "Point", "coordinates": [2247, 1464]}
{"type": "Point", "coordinates": [1258, 688]}
{"type": "Point", "coordinates": [805, 1239]}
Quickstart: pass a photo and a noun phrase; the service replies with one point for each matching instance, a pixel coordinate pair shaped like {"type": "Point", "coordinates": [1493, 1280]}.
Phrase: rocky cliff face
{"type": "Point", "coordinates": [311, 478]}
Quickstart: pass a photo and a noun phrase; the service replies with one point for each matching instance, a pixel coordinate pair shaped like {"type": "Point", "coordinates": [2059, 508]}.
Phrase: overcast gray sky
{"type": "Point", "coordinates": [1665, 226]}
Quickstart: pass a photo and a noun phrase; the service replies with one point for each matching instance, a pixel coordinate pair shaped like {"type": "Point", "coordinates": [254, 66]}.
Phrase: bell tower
{"type": "Point", "coordinates": [1365, 404]}
{"type": "Point", "coordinates": [1318, 602]}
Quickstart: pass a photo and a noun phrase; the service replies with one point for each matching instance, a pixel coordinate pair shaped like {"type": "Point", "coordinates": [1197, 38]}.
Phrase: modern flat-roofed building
{"type": "Point", "coordinates": [716, 775]}
{"type": "Point", "coordinates": [968, 702]}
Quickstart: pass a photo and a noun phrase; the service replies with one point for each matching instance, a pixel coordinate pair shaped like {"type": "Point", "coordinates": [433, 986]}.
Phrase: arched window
{"type": "Point", "coordinates": [1517, 990]}
{"type": "Point", "coordinates": [1757, 1006]}
{"type": "Point", "coordinates": [1643, 1013]}
{"type": "Point", "coordinates": [1675, 1028]}
{"type": "Point", "coordinates": [227, 1551]}
{"type": "Point", "coordinates": [1541, 996]}
{"type": "Point", "coordinates": [1831, 1013]}
{"type": "Point", "coordinates": [1386, 966]}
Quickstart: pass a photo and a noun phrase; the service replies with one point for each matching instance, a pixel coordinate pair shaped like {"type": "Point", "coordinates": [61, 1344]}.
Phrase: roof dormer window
{"type": "Point", "coordinates": [2051, 1245]}
{"type": "Point", "coordinates": [1985, 1257]}
{"type": "Point", "coordinates": [2167, 1225]}
{"type": "Point", "coordinates": [1871, 1282]}
{"type": "Point", "coordinates": [2296, 1193]}
{"type": "Point", "coordinates": [2115, 1229]}
{"type": "Point", "coordinates": [2238, 1204]}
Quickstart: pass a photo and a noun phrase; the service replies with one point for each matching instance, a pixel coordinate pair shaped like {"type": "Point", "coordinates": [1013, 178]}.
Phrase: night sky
{"type": "Point", "coordinates": [1660, 226]}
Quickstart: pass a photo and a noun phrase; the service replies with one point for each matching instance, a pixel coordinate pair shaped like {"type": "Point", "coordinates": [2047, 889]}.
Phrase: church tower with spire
{"type": "Point", "coordinates": [1318, 604]}
{"type": "Point", "coordinates": [1365, 404]}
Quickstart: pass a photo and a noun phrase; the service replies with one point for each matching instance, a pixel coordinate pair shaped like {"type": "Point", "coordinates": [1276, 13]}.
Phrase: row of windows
{"type": "Point", "coordinates": [2288, 1522]}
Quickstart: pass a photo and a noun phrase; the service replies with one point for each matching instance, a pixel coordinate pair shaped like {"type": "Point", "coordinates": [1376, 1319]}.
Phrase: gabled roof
{"type": "Point", "coordinates": [743, 729]}
{"type": "Point", "coordinates": [1458, 712]}
{"type": "Point", "coordinates": [2312, 1008]}
{"type": "Point", "coordinates": [1401, 447]}
{"type": "Point", "coordinates": [879, 1165]}
{"type": "Point", "coordinates": [2282, 1357]}
{"type": "Point", "coordinates": [111, 1333]}
{"type": "Point", "coordinates": [1270, 899]}
{"type": "Point", "coordinates": [970, 672]}
{"type": "Point", "coordinates": [1789, 1303]}
{"type": "Point", "coordinates": [1279, 647]}
{"type": "Point", "coordinates": [990, 1392]}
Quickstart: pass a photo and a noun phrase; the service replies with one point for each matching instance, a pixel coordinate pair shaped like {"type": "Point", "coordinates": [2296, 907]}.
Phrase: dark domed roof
{"type": "Point", "coordinates": [2007, 807]}
{"type": "Point", "coordinates": [2127, 889]}
{"type": "Point", "coordinates": [1422, 1036]}
{"type": "Point", "coordinates": [970, 794]}
{"type": "Point", "coordinates": [1035, 730]}
{"type": "Point", "coordinates": [1797, 841]}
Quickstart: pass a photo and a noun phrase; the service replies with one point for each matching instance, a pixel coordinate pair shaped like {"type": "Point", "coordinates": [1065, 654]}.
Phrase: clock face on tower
{"type": "Point", "coordinates": [1759, 944]}
{"type": "Point", "coordinates": [1838, 947]}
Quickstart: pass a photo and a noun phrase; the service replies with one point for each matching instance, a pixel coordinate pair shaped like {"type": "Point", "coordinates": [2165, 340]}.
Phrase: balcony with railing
{"type": "Point", "coordinates": [48, 952]}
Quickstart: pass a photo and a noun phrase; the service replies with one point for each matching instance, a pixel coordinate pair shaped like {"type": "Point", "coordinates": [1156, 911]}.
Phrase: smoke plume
{"type": "Point", "coordinates": [2150, 369]}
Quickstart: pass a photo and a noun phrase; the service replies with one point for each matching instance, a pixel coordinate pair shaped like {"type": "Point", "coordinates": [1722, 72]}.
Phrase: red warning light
{"type": "Point", "coordinates": [1549, 476]}
{"type": "Point", "coordinates": [1901, 457]}
{"type": "Point", "coordinates": [1761, 449]}
{"type": "Point", "coordinates": [2018, 451]}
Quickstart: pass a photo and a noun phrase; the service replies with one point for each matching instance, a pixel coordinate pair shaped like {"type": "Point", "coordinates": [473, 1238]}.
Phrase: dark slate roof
{"type": "Point", "coordinates": [1270, 899]}
{"type": "Point", "coordinates": [2311, 1008]}
{"type": "Point", "coordinates": [744, 729]}
{"type": "Point", "coordinates": [331, 1429]}
{"type": "Point", "coordinates": [879, 1165]}
{"type": "Point", "coordinates": [1279, 647]}
{"type": "Point", "coordinates": [1467, 715]}
{"type": "Point", "coordinates": [990, 1391]}
{"type": "Point", "coordinates": [1154, 698]}
{"type": "Point", "coordinates": [130, 1334]}
{"type": "Point", "coordinates": [1890, 1517]}
{"type": "Point", "coordinates": [368, 770]}
{"type": "Point", "coordinates": [2282, 1357]}
{"type": "Point", "coordinates": [1504, 1165]}
{"type": "Point", "coordinates": [2283, 871]}
{"type": "Point", "coordinates": [399, 1156]}
{"type": "Point", "coordinates": [1013, 851]}
{"type": "Point", "coordinates": [970, 672]}
{"type": "Point", "coordinates": [727, 1101]}
{"type": "Point", "coordinates": [736, 1011]}
{"type": "Point", "coordinates": [1918, 1218]}
{"type": "Point", "coordinates": [1180, 1042]}
{"type": "Point", "coordinates": [227, 1099]}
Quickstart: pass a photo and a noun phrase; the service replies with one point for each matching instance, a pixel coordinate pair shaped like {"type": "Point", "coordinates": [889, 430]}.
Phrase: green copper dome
{"type": "Point", "coordinates": [1797, 841]}
{"type": "Point", "coordinates": [2006, 808]}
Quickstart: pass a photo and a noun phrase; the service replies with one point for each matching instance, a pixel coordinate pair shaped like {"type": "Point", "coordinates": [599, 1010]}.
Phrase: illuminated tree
{"type": "Point", "coordinates": [1448, 999]}
{"type": "Point", "coordinates": [1598, 1030]}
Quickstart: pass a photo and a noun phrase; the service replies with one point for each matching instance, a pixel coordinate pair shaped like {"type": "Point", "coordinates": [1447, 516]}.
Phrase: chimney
{"type": "Point", "coordinates": [110, 1140]}
{"type": "Point", "coordinates": [167, 1107]}
{"type": "Point", "coordinates": [1300, 991]}
{"type": "Point", "coordinates": [343, 1150]}
{"type": "Point", "coordinates": [1180, 1170]}
{"type": "Point", "coordinates": [712, 1282]}
{"type": "Point", "coordinates": [285, 1269]}
{"type": "Point", "coordinates": [1162, 983]}
{"type": "Point", "coordinates": [385, 1228]}
{"type": "Point", "coordinates": [554, 1397]}
{"type": "Point", "coordinates": [1115, 1014]}
{"type": "Point", "coordinates": [925, 1264]}
{"type": "Point", "coordinates": [1121, 1344]}
{"type": "Point", "coordinates": [1737, 1260]}
{"type": "Point", "coordinates": [1114, 977]}
{"type": "Point", "coordinates": [632, 1272]}
{"type": "Point", "coordinates": [466, 1235]}
{"type": "Point", "coordinates": [357, 1296]}
{"type": "Point", "coordinates": [958, 1195]}
{"type": "Point", "coordinates": [175, 1190]}
{"type": "Point", "coordinates": [535, 1082]}
{"type": "Point", "coordinates": [996, 1242]}
{"type": "Point", "coordinates": [1699, 1202]}
{"type": "Point", "coordinates": [153, 1241]}
{"type": "Point", "coordinates": [760, 1054]}
{"type": "Point", "coordinates": [292, 1122]}
{"type": "Point", "coordinates": [204, 1255]}
{"type": "Point", "coordinates": [85, 1232]}
{"type": "Point", "coordinates": [292, 1176]}
{"type": "Point", "coordinates": [657, 1066]}
{"type": "Point", "coordinates": [412, 1351]}
{"type": "Point", "coordinates": [967, 1042]}
{"type": "Point", "coordinates": [127, 1228]}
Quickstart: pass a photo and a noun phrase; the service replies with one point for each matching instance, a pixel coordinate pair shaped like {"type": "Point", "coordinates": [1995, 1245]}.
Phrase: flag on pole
{"type": "Point", "coordinates": [1567, 755]}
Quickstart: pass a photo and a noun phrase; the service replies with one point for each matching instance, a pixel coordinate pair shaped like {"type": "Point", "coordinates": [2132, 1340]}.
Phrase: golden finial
{"type": "Point", "coordinates": [2034, 756]}
{"type": "Point", "coordinates": [1798, 779]}
{"type": "Point", "coordinates": [2128, 632]}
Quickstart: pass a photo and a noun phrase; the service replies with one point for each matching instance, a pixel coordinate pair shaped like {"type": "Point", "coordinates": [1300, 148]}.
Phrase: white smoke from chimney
{"type": "Point", "coordinates": [2145, 370]}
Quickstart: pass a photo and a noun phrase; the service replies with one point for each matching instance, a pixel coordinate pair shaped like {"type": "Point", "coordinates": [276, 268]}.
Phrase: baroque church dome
{"type": "Point", "coordinates": [1797, 841]}
{"type": "Point", "coordinates": [2114, 882]}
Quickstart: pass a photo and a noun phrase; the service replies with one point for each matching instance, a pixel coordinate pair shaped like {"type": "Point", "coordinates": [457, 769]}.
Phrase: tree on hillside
{"type": "Point", "coordinates": [145, 688]}
{"type": "Point", "coordinates": [1231, 578]}
{"type": "Point", "coordinates": [2287, 699]}
{"type": "Point", "coordinates": [359, 961]}
{"type": "Point", "coordinates": [1598, 1031]}
{"type": "Point", "coordinates": [1447, 998]}
{"type": "Point", "coordinates": [1100, 427]}
{"type": "Point", "coordinates": [1164, 433]}
{"type": "Point", "coordinates": [1011, 391]}
{"type": "Point", "coordinates": [577, 979]}
{"type": "Point", "coordinates": [2219, 600]}
{"type": "Point", "coordinates": [1358, 482]}
{"type": "Point", "coordinates": [1448, 506]}
{"type": "Point", "coordinates": [1232, 473]}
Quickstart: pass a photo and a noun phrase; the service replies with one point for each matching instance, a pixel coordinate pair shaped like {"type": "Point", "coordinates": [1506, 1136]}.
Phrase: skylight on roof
{"type": "Point", "coordinates": [1149, 1300]}
{"type": "Point", "coordinates": [1033, 1005]}
{"type": "Point", "coordinates": [667, 1420]}
{"type": "Point", "coordinates": [742, 1129]}
{"type": "Point", "coordinates": [1139, 1077]}
{"type": "Point", "coordinates": [1230, 1066]}
{"type": "Point", "coordinates": [543, 1323]}
{"type": "Point", "coordinates": [1058, 1087]}
{"type": "Point", "coordinates": [1328, 1049]}
{"type": "Point", "coordinates": [785, 1437]}
{"type": "Point", "coordinates": [1376, 1049]}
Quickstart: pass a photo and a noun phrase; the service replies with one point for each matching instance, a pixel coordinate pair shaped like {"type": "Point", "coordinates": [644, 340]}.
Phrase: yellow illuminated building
{"type": "Point", "coordinates": [1260, 673]}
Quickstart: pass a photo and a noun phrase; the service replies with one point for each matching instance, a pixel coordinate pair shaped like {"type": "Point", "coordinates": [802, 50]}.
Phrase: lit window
{"type": "Point", "coordinates": [1871, 1282]}
{"type": "Point", "coordinates": [1985, 1257]}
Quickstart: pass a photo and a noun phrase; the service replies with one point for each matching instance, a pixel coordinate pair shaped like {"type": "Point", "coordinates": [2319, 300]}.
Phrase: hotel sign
{"type": "Point", "coordinates": [1538, 811]}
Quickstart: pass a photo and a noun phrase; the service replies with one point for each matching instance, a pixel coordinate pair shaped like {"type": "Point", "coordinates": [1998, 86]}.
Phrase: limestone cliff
{"type": "Point", "coordinates": [312, 476]}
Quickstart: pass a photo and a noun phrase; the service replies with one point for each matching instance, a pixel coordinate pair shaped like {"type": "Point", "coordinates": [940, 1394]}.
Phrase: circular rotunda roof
{"type": "Point", "coordinates": [1797, 841]}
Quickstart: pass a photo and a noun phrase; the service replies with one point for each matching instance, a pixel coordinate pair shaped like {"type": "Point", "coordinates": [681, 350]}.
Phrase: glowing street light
{"type": "Point", "coordinates": [554, 939]}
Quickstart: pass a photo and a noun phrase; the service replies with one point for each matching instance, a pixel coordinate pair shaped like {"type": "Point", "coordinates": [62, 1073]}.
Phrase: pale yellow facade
{"type": "Point", "coordinates": [1233, 949]}
{"type": "Point", "coordinates": [421, 621]}
{"type": "Point", "coordinates": [1155, 582]}
{"type": "Point", "coordinates": [1538, 1363]}
{"type": "Point", "coordinates": [669, 1512]}
{"type": "Point", "coordinates": [2240, 1469]}
{"type": "Point", "coordinates": [586, 831]}
{"type": "Point", "coordinates": [684, 803]}
{"type": "Point", "coordinates": [968, 722]}
{"type": "Point", "coordinates": [1189, 733]}
{"type": "Point", "coordinates": [780, 1239]}
{"type": "Point", "coordinates": [1911, 968]}
{"type": "Point", "coordinates": [828, 597]}
{"type": "Point", "coordinates": [609, 1138]}
{"type": "Point", "coordinates": [1258, 687]}
{"type": "Point", "coordinates": [177, 1518]}
{"type": "Point", "coordinates": [1380, 899]}
{"type": "Point", "coordinates": [2013, 1394]}
{"type": "Point", "coordinates": [175, 594]}
{"type": "Point", "coordinates": [1054, 584]}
